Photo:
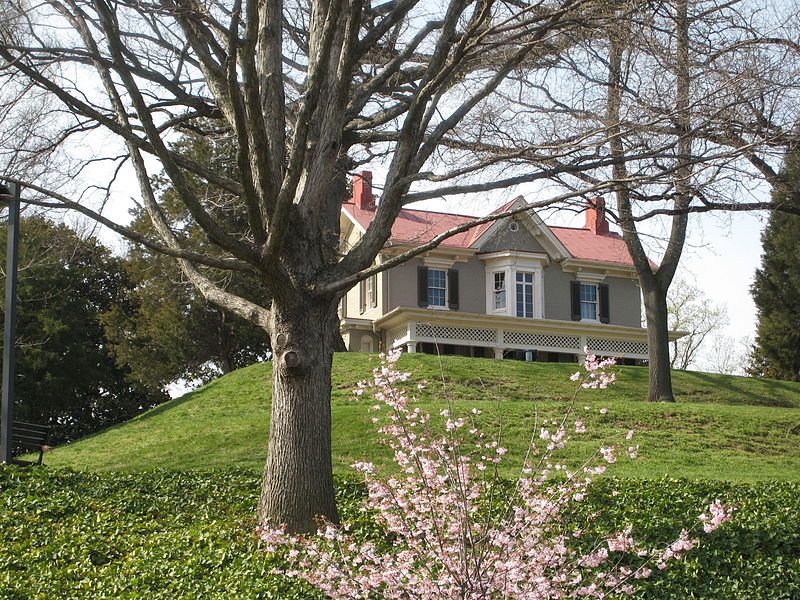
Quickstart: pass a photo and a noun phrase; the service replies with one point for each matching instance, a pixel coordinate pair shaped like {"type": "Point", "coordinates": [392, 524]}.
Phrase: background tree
{"type": "Point", "coordinates": [728, 355]}
{"type": "Point", "coordinates": [67, 378]}
{"type": "Point", "coordinates": [690, 311]}
{"type": "Point", "coordinates": [174, 332]}
{"type": "Point", "coordinates": [171, 332]}
{"type": "Point", "coordinates": [691, 101]}
{"type": "Point", "coordinates": [776, 287]}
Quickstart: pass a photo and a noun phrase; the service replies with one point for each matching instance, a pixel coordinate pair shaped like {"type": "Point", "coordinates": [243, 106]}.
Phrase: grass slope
{"type": "Point", "coordinates": [722, 427]}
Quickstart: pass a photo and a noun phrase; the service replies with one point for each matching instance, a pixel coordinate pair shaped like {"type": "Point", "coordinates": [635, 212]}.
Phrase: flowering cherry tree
{"type": "Point", "coordinates": [455, 529]}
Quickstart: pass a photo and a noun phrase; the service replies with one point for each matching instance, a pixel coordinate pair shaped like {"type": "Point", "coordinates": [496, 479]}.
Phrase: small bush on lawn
{"type": "Point", "coordinates": [66, 534]}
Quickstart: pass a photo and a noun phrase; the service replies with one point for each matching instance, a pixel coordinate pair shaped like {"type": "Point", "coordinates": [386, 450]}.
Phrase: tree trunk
{"type": "Point", "coordinates": [660, 374]}
{"type": "Point", "coordinates": [297, 487]}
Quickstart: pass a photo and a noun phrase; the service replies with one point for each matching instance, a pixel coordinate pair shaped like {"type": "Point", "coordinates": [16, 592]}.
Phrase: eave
{"type": "Point", "coordinates": [610, 269]}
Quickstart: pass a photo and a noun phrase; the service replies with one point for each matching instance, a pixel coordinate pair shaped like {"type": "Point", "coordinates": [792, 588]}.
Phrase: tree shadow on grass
{"type": "Point", "coordinates": [771, 393]}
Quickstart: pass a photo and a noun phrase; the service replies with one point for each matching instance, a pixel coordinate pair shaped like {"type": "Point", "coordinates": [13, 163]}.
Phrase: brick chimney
{"type": "Point", "coordinates": [596, 216]}
{"type": "Point", "coordinates": [362, 191]}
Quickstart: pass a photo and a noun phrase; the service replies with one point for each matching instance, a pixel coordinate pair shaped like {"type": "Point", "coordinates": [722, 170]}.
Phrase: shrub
{"type": "Point", "coordinates": [166, 535]}
{"type": "Point", "coordinates": [452, 529]}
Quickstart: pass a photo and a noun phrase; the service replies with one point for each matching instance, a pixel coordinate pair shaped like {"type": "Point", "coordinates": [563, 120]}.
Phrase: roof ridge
{"type": "Point", "coordinates": [438, 212]}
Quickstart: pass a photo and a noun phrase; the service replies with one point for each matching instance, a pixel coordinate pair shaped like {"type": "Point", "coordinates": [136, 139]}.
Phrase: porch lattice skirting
{"type": "Point", "coordinates": [414, 332]}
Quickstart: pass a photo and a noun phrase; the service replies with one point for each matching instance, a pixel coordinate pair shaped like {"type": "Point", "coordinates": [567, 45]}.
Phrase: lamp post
{"type": "Point", "coordinates": [11, 195]}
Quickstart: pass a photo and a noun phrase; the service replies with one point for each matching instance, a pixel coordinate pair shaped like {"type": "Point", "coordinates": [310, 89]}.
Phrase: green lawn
{"type": "Point", "coordinates": [728, 428]}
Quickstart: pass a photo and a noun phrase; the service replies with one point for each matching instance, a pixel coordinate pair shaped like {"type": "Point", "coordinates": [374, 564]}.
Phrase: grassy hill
{"type": "Point", "coordinates": [722, 427]}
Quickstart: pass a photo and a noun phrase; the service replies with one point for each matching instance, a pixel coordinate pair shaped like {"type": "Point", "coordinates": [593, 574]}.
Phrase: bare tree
{"type": "Point", "coordinates": [730, 107]}
{"type": "Point", "coordinates": [694, 102]}
{"type": "Point", "coordinates": [729, 355]}
{"type": "Point", "coordinates": [307, 92]}
{"type": "Point", "coordinates": [689, 311]}
{"type": "Point", "coordinates": [449, 98]}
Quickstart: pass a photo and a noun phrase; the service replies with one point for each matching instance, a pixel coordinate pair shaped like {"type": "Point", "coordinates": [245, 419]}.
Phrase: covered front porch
{"type": "Point", "coordinates": [416, 329]}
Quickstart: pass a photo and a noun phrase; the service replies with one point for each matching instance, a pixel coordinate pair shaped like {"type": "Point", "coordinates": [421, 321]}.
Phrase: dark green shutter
{"type": "Point", "coordinates": [575, 298]}
{"type": "Point", "coordinates": [452, 289]}
{"type": "Point", "coordinates": [422, 286]}
{"type": "Point", "coordinates": [603, 309]}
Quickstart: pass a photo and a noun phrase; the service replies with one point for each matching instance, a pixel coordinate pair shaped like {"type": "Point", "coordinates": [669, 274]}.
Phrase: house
{"type": "Point", "coordinates": [512, 288]}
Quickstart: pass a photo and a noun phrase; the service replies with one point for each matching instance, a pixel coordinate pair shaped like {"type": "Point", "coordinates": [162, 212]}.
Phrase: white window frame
{"type": "Point", "coordinates": [372, 291]}
{"type": "Point", "coordinates": [590, 278]}
{"type": "Point", "coordinates": [524, 284]}
{"type": "Point", "coordinates": [444, 289]}
{"type": "Point", "coordinates": [499, 292]}
{"type": "Point", "coordinates": [596, 302]}
{"type": "Point", "coordinates": [510, 262]}
{"type": "Point", "coordinates": [441, 263]}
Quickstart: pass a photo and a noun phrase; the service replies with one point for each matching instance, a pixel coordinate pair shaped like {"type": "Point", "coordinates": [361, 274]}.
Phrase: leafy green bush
{"type": "Point", "coordinates": [158, 534]}
{"type": "Point", "coordinates": [756, 555]}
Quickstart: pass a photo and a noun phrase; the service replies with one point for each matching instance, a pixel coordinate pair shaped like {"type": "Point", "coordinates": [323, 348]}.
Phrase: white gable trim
{"type": "Point", "coordinates": [353, 220]}
{"type": "Point", "coordinates": [535, 226]}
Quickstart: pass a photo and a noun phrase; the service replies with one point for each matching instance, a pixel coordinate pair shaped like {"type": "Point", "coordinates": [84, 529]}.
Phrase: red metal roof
{"type": "Point", "coordinates": [420, 226]}
{"type": "Point", "coordinates": [584, 244]}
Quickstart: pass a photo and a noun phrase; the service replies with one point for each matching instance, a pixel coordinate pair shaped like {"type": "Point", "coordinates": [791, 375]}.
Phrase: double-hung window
{"type": "Point", "coordinates": [372, 291]}
{"type": "Point", "coordinates": [500, 290]}
{"type": "Point", "coordinates": [368, 293]}
{"type": "Point", "coordinates": [437, 287]}
{"type": "Point", "coordinates": [589, 301]}
{"type": "Point", "coordinates": [524, 294]}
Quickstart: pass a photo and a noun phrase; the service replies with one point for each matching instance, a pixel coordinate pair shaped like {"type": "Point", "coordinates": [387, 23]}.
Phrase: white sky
{"type": "Point", "coordinates": [720, 257]}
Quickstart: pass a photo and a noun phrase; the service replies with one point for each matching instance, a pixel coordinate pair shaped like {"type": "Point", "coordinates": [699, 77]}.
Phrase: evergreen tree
{"type": "Point", "coordinates": [66, 377]}
{"type": "Point", "coordinates": [174, 332]}
{"type": "Point", "coordinates": [776, 288]}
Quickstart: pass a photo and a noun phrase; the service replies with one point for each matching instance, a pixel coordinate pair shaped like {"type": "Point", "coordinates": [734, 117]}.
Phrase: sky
{"type": "Point", "coordinates": [722, 252]}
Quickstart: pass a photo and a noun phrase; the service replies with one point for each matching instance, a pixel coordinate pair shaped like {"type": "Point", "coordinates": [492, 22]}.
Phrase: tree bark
{"type": "Point", "coordinates": [654, 282]}
{"type": "Point", "coordinates": [297, 487]}
{"type": "Point", "coordinates": [660, 376]}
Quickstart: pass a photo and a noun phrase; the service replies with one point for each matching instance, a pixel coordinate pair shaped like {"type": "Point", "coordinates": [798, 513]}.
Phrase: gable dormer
{"type": "Point", "coordinates": [524, 231]}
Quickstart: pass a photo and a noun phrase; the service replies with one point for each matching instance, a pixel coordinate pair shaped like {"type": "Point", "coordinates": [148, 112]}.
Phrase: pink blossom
{"type": "Point", "coordinates": [444, 546]}
{"type": "Point", "coordinates": [716, 516]}
{"type": "Point", "coordinates": [608, 454]}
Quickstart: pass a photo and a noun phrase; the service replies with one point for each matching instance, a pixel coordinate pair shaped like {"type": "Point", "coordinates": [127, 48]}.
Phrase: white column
{"type": "Point", "coordinates": [538, 291]}
{"type": "Point", "coordinates": [581, 345]}
{"type": "Point", "coordinates": [411, 347]}
{"type": "Point", "coordinates": [498, 353]}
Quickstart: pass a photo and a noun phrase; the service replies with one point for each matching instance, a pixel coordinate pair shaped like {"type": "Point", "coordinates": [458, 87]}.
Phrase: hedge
{"type": "Point", "coordinates": [158, 534]}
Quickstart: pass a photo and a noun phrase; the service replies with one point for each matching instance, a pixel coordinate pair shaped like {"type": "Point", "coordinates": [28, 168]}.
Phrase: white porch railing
{"type": "Point", "coordinates": [504, 333]}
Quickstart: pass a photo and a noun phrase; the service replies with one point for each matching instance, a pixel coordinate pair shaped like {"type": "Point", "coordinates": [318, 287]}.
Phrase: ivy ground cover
{"type": "Point", "coordinates": [167, 534]}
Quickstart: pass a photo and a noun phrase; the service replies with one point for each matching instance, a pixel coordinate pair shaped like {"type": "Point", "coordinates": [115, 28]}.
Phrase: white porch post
{"type": "Point", "coordinates": [582, 343]}
{"type": "Point", "coordinates": [411, 347]}
{"type": "Point", "coordinates": [498, 353]}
